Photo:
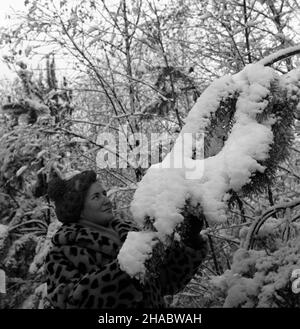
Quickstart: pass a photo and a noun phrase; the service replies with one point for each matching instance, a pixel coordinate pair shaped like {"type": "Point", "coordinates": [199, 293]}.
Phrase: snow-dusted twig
{"type": "Point", "coordinates": [246, 216]}
{"type": "Point", "coordinates": [33, 221]}
{"type": "Point", "coordinates": [256, 225]}
{"type": "Point", "coordinates": [94, 143]}
{"type": "Point", "coordinates": [280, 55]}
{"type": "Point", "coordinates": [224, 238]}
{"type": "Point", "coordinates": [289, 172]}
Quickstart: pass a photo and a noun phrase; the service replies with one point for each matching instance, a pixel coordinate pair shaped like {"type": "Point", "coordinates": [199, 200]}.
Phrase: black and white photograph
{"type": "Point", "coordinates": [150, 160]}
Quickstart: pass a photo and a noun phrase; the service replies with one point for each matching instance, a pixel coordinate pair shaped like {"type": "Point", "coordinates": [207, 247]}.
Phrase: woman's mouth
{"type": "Point", "coordinates": [107, 208]}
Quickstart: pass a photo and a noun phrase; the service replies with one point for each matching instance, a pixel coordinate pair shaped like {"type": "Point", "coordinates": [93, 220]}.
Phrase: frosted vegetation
{"type": "Point", "coordinates": [226, 70]}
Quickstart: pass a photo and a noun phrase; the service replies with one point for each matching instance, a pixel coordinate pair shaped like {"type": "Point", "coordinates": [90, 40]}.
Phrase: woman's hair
{"type": "Point", "coordinates": [69, 195]}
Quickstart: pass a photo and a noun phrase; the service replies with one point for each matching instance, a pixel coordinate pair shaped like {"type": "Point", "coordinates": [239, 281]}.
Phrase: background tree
{"type": "Point", "coordinates": [140, 64]}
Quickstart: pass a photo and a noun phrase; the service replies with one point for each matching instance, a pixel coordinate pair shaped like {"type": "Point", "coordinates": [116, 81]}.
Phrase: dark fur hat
{"type": "Point", "coordinates": [69, 195]}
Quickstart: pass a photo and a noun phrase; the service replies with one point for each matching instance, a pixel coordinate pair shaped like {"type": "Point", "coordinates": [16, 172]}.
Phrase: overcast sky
{"type": "Point", "coordinates": [7, 7]}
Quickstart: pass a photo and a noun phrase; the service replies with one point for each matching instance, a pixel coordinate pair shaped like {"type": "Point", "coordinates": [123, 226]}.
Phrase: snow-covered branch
{"type": "Point", "coordinates": [262, 110]}
{"type": "Point", "coordinates": [280, 55]}
{"type": "Point", "coordinates": [256, 225]}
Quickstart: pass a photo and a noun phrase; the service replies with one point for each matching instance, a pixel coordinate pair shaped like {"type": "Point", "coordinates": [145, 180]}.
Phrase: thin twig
{"type": "Point", "coordinates": [247, 31]}
{"type": "Point", "coordinates": [288, 171]}
{"type": "Point", "coordinates": [28, 222]}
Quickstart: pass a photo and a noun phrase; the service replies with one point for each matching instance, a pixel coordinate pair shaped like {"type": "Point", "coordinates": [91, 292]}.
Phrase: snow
{"type": "Point", "coordinates": [21, 171]}
{"type": "Point", "coordinates": [278, 54]}
{"type": "Point", "coordinates": [257, 279]}
{"type": "Point", "coordinates": [271, 226]}
{"type": "Point", "coordinates": [70, 174]}
{"type": "Point", "coordinates": [135, 253]}
{"type": "Point", "coordinates": [43, 248]}
{"type": "Point", "coordinates": [36, 300]}
{"type": "Point", "coordinates": [164, 189]}
{"type": "Point", "coordinates": [40, 108]}
{"type": "Point", "coordinates": [198, 117]}
{"type": "Point", "coordinates": [232, 168]}
{"type": "Point", "coordinates": [4, 231]}
{"type": "Point", "coordinates": [291, 81]}
{"type": "Point", "coordinates": [158, 201]}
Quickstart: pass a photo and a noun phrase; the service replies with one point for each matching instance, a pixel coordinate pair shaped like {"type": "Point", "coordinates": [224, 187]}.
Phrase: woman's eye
{"type": "Point", "coordinates": [104, 193]}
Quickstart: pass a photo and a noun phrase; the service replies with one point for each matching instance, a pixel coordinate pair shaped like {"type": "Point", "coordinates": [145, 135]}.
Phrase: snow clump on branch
{"type": "Point", "coordinates": [163, 192]}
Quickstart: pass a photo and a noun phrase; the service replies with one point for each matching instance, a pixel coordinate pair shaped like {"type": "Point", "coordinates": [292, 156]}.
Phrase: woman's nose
{"type": "Point", "coordinates": [107, 201]}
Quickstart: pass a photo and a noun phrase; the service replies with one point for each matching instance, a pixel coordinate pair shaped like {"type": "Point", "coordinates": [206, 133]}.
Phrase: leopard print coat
{"type": "Point", "coordinates": [83, 272]}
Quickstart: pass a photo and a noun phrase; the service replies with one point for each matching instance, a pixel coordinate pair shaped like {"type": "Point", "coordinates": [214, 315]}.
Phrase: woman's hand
{"type": "Point", "coordinates": [190, 231]}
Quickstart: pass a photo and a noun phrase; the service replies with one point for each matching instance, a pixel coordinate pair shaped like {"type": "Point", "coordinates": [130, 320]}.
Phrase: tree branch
{"type": "Point", "coordinates": [247, 32]}
{"type": "Point", "coordinates": [280, 55]}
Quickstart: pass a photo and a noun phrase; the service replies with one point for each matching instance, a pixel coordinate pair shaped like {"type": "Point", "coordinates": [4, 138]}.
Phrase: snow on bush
{"type": "Point", "coordinates": [248, 143]}
{"type": "Point", "coordinates": [258, 279]}
{"type": "Point", "coordinates": [4, 232]}
{"type": "Point", "coordinates": [37, 299]}
{"type": "Point", "coordinates": [163, 192]}
{"type": "Point", "coordinates": [137, 252]}
{"type": "Point", "coordinates": [43, 247]}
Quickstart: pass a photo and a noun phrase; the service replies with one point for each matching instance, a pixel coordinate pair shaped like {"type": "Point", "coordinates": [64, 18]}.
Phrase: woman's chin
{"type": "Point", "coordinates": [107, 218]}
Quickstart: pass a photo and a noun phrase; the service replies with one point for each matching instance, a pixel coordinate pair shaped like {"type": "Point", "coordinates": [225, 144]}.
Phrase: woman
{"type": "Point", "coordinates": [82, 268]}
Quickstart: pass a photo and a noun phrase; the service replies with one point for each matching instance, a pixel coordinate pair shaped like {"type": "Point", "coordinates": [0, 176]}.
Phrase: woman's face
{"type": "Point", "coordinates": [97, 207]}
